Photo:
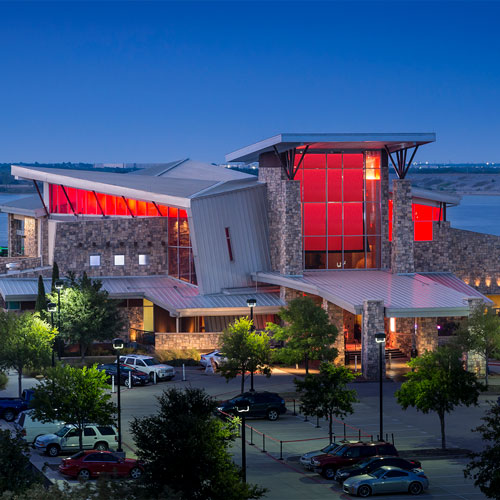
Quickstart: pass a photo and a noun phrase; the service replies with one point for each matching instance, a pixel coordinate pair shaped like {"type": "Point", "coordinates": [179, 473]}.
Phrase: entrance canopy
{"type": "Point", "coordinates": [404, 295]}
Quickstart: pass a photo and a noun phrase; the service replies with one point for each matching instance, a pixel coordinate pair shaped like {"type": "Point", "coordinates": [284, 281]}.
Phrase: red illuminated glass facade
{"type": "Point", "coordinates": [67, 200]}
{"type": "Point", "coordinates": [341, 212]}
{"type": "Point", "coordinates": [423, 216]}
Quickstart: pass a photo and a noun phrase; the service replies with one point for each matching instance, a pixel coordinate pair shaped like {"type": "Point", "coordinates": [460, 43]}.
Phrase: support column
{"type": "Point", "coordinates": [475, 361]}
{"type": "Point", "coordinates": [402, 255]}
{"type": "Point", "coordinates": [373, 322]}
{"type": "Point", "coordinates": [426, 335]}
{"type": "Point", "coordinates": [336, 317]}
{"type": "Point", "coordinates": [288, 294]}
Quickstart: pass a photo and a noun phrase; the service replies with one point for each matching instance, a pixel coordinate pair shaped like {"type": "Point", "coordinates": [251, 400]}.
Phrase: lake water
{"type": "Point", "coordinates": [475, 213]}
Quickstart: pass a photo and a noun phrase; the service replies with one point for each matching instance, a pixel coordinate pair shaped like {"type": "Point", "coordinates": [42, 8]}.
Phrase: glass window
{"type": "Point", "coordinates": [95, 260]}
{"type": "Point", "coordinates": [88, 431]}
{"type": "Point", "coordinates": [106, 430]}
{"type": "Point", "coordinates": [119, 260]}
{"type": "Point", "coordinates": [314, 219]}
{"type": "Point", "coordinates": [143, 259]}
{"type": "Point", "coordinates": [93, 457]}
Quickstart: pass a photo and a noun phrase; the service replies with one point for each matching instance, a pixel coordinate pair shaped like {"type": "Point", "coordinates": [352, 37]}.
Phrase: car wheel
{"type": "Point", "coordinates": [53, 450]}
{"type": "Point", "coordinates": [364, 491]}
{"type": "Point", "coordinates": [84, 475]}
{"type": "Point", "coordinates": [127, 383]}
{"type": "Point", "coordinates": [9, 415]}
{"type": "Point", "coordinates": [329, 473]}
{"type": "Point", "coordinates": [272, 415]}
{"type": "Point", "coordinates": [101, 446]}
{"type": "Point", "coordinates": [415, 488]}
{"type": "Point", "coordinates": [135, 473]}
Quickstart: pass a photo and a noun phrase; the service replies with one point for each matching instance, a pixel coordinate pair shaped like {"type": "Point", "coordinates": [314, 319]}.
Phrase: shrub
{"type": "Point", "coordinates": [178, 357]}
{"type": "Point", "coordinates": [3, 381]}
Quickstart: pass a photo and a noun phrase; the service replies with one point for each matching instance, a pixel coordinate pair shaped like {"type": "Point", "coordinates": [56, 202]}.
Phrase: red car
{"type": "Point", "coordinates": [92, 463]}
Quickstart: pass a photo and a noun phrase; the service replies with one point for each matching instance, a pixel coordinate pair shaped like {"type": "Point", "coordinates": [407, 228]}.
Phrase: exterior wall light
{"type": "Point", "coordinates": [380, 338]}
{"type": "Point", "coordinates": [59, 285]}
{"type": "Point", "coordinates": [251, 303]}
{"type": "Point", "coordinates": [52, 308]}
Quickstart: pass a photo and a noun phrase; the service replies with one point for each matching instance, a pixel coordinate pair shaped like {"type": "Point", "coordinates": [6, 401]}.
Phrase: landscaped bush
{"type": "Point", "coordinates": [178, 357]}
{"type": "Point", "coordinates": [3, 381]}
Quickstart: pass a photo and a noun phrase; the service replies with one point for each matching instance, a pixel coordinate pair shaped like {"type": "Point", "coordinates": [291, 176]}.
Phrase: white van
{"type": "Point", "coordinates": [31, 428]}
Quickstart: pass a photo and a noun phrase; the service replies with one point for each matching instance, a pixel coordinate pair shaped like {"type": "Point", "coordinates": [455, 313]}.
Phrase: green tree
{"type": "Point", "coordinates": [481, 334]}
{"type": "Point", "coordinates": [25, 342]}
{"type": "Point", "coordinates": [87, 313]}
{"type": "Point", "coordinates": [41, 299]}
{"type": "Point", "coordinates": [186, 448]}
{"type": "Point", "coordinates": [307, 333]}
{"type": "Point", "coordinates": [438, 383]}
{"type": "Point", "coordinates": [3, 381]}
{"type": "Point", "coordinates": [73, 395]}
{"type": "Point", "coordinates": [55, 276]}
{"type": "Point", "coordinates": [326, 394]}
{"type": "Point", "coordinates": [245, 350]}
{"type": "Point", "coordinates": [483, 468]}
{"type": "Point", "coordinates": [15, 470]}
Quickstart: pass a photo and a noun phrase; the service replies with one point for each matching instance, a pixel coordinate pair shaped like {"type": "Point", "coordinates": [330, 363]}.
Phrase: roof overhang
{"type": "Point", "coordinates": [431, 197]}
{"type": "Point", "coordinates": [330, 141]}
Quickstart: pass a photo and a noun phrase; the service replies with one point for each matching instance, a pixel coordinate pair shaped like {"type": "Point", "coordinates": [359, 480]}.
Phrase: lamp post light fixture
{"type": "Point", "coordinates": [59, 285]}
{"type": "Point", "coordinates": [118, 345]}
{"type": "Point", "coordinates": [51, 307]}
{"type": "Point", "coordinates": [251, 303]}
{"type": "Point", "coordinates": [242, 407]}
{"type": "Point", "coordinates": [380, 340]}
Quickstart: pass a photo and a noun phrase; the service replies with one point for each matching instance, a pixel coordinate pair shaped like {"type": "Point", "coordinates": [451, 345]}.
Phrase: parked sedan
{"type": "Point", "coordinates": [88, 464]}
{"type": "Point", "coordinates": [386, 480]}
{"type": "Point", "coordinates": [136, 377]}
{"type": "Point", "coordinates": [305, 459]}
{"type": "Point", "coordinates": [217, 356]}
{"type": "Point", "coordinates": [260, 404]}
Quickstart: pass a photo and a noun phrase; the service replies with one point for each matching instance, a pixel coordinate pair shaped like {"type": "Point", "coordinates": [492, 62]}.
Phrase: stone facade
{"type": "Point", "coordinates": [22, 264]}
{"type": "Point", "coordinates": [402, 256]}
{"type": "Point", "coordinates": [77, 240]}
{"type": "Point", "coordinates": [427, 335]}
{"type": "Point", "coordinates": [199, 341]}
{"type": "Point", "coordinates": [385, 261]}
{"type": "Point", "coordinates": [284, 216]}
{"type": "Point", "coordinates": [336, 317]}
{"type": "Point", "coordinates": [373, 322]}
{"type": "Point", "coordinates": [288, 294]}
{"type": "Point", "coordinates": [475, 361]}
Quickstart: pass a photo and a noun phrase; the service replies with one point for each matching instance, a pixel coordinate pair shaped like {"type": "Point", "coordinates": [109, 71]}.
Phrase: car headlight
{"type": "Point", "coordinates": [314, 462]}
{"type": "Point", "coordinates": [220, 408]}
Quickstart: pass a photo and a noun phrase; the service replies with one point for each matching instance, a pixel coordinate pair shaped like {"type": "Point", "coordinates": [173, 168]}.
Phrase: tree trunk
{"type": "Point", "coordinates": [20, 380]}
{"type": "Point", "coordinates": [306, 359]}
{"type": "Point", "coordinates": [486, 373]}
{"type": "Point", "coordinates": [330, 426]}
{"type": "Point", "coordinates": [443, 437]}
{"type": "Point", "coordinates": [83, 350]}
{"type": "Point", "coordinates": [80, 438]}
{"type": "Point", "coordinates": [242, 381]}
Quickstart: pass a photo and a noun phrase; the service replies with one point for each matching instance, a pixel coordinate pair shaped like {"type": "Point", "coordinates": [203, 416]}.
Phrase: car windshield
{"type": "Point", "coordinates": [378, 473]}
{"type": "Point", "coordinates": [151, 362]}
{"type": "Point", "coordinates": [363, 463]}
{"type": "Point", "coordinates": [329, 448]}
{"type": "Point", "coordinates": [62, 432]}
{"type": "Point", "coordinates": [77, 455]}
{"type": "Point", "coordinates": [338, 451]}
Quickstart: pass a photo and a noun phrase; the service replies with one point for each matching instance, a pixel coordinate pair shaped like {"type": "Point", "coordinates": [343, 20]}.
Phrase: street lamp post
{"type": "Point", "coordinates": [242, 407]}
{"type": "Point", "coordinates": [251, 303]}
{"type": "Point", "coordinates": [118, 344]}
{"type": "Point", "coordinates": [51, 307]}
{"type": "Point", "coordinates": [380, 339]}
{"type": "Point", "coordinates": [59, 284]}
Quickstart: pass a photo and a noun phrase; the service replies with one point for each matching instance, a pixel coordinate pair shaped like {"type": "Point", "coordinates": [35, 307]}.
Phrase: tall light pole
{"type": "Point", "coordinates": [51, 307]}
{"type": "Point", "coordinates": [380, 339]}
{"type": "Point", "coordinates": [251, 303]}
{"type": "Point", "coordinates": [242, 407]}
{"type": "Point", "coordinates": [118, 344]}
{"type": "Point", "coordinates": [58, 285]}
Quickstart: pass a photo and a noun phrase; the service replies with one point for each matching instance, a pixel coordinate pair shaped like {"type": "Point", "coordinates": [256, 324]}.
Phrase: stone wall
{"type": "Point", "coordinates": [22, 263]}
{"type": "Point", "coordinates": [77, 240]}
{"type": "Point", "coordinates": [199, 341]}
{"type": "Point", "coordinates": [427, 335]}
{"type": "Point", "coordinates": [385, 260]}
{"type": "Point", "coordinates": [284, 216]}
{"type": "Point", "coordinates": [336, 317]}
{"type": "Point", "coordinates": [373, 322]}
{"type": "Point", "coordinates": [402, 258]}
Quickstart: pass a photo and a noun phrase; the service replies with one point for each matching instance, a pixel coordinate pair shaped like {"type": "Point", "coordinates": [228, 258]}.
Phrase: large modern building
{"type": "Point", "coordinates": [185, 244]}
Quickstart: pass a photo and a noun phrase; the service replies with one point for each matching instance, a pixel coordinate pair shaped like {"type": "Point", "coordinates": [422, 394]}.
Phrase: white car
{"type": "Point", "coordinates": [31, 428]}
{"type": "Point", "coordinates": [216, 355]}
{"type": "Point", "coordinates": [149, 365]}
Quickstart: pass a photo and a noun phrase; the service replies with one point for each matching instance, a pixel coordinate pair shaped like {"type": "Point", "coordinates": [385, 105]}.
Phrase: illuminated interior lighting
{"type": "Point", "coordinates": [392, 324]}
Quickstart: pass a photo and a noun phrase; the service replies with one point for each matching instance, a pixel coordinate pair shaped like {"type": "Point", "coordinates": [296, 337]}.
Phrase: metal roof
{"type": "Point", "coordinates": [417, 194]}
{"type": "Point", "coordinates": [177, 297]}
{"type": "Point", "coordinates": [404, 295]}
{"type": "Point", "coordinates": [341, 141]}
{"type": "Point", "coordinates": [30, 205]}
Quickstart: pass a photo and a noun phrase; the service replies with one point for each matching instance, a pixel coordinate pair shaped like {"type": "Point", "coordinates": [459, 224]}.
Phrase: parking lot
{"type": "Point", "coordinates": [286, 479]}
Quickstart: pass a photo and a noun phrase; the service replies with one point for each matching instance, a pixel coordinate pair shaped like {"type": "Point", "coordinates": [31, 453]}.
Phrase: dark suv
{"type": "Point", "coordinates": [260, 404]}
{"type": "Point", "coordinates": [349, 454]}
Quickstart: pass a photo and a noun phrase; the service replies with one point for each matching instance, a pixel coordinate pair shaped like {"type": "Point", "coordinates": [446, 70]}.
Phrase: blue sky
{"type": "Point", "coordinates": [157, 81]}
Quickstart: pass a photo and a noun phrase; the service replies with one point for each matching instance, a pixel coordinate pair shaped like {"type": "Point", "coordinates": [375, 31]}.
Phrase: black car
{"type": "Point", "coordinates": [373, 463]}
{"type": "Point", "coordinates": [261, 404]}
{"type": "Point", "coordinates": [136, 377]}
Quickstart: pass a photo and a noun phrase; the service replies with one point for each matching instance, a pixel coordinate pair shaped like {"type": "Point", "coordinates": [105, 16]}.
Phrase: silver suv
{"type": "Point", "coordinates": [95, 437]}
{"type": "Point", "coordinates": [149, 365]}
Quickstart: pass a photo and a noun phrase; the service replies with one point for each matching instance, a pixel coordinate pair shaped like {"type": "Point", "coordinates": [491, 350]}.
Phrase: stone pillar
{"type": "Point", "coordinates": [373, 322]}
{"type": "Point", "coordinates": [402, 256]}
{"type": "Point", "coordinates": [284, 216]}
{"type": "Point", "coordinates": [476, 363]}
{"type": "Point", "coordinates": [427, 335]}
{"type": "Point", "coordinates": [336, 317]}
{"type": "Point", "coordinates": [288, 294]}
{"type": "Point", "coordinates": [385, 261]}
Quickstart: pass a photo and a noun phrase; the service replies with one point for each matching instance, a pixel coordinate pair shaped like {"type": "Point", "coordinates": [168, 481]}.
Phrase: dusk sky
{"type": "Point", "coordinates": [151, 82]}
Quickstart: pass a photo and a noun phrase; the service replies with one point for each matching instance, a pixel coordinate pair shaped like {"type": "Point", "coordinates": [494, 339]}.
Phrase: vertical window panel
{"type": "Point", "coordinates": [334, 218]}
{"type": "Point", "coordinates": [334, 184]}
{"type": "Point", "coordinates": [92, 208]}
{"type": "Point", "coordinates": [313, 161]}
{"type": "Point", "coordinates": [141, 209]}
{"type": "Point", "coordinates": [373, 252]}
{"type": "Point", "coordinates": [334, 160]}
{"type": "Point", "coordinates": [353, 185]}
{"type": "Point", "coordinates": [423, 231]}
{"type": "Point", "coordinates": [353, 160]}
{"type": "Point", "coordinates": [314, 219]}
{"type": "Point", "coordinates": [373, 218]}
{"type": "Point", "coordinates": [353, 218]}
{"type": "Point", "coordinates": [173, 265]}
{"type": "Point", "coordinates": [121, 207]}
{"type": "Point", "coordinates": [132, 206]}
{"type": "Point", "coordinates": [314, 185]}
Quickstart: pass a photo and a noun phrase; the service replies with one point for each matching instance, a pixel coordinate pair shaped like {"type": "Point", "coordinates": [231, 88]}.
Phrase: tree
{"type": "Point", "coordinates": [25, 342]}
{"type": "Point", "coordinates": [186, 448]}
{"type": "Point", "coordinates": [483, 468]}
{"type": "Point", "coordinates": [15, 470]}
{"type": "Point", "coordinates": [55, 276]}
{"type": "Point", "coordinates": [73, 395]}
{"type": "Point", "coordinates": [41, 299]}
{"type": "Point", "coordinates": [437, 383]}
{"type": "Point", "coordinates": [481, 334]}
{"type": "Point", "coordinates": [245, 350]}
{"type": "Point", "coordinates": [326, 395]}
{"type": "Point", "coordinates": [87, 313]}
{"type": "Point", "coordinates": [307, 333]}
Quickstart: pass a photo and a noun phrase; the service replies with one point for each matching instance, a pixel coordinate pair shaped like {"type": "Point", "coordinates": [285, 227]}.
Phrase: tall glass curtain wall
{"type": "Point", "coordinates": [341, 212]}
{"type": "Point", "coordinates": [180, 253]}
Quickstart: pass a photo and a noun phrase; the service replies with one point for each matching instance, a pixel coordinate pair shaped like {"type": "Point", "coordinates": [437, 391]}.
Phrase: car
{"type": "Point", "coordinates": [11, 407]}
{"type": "Point", "coordinates": [306, 458]}
{"type": "Point", "coordinates": [31, 429]}
{"type": "Point", "coordinates": [350, 454]}
{"type": "Point", "coordinates": [217, 356]}
{"type": "Point", "coordinates": [386, 480]}
{"type": "Point", "coordinates": [66, 439]}
{"type": "Point", "coordinates": [261, 404]}
{"type": "Point", "coordinates": [370, 464]}
{"type": "Point", "coordinates": [88, 464]}
{"type": "Point", "coordinates": [127, 373]}
{"type": "Point", "coordinates": [149, 365]}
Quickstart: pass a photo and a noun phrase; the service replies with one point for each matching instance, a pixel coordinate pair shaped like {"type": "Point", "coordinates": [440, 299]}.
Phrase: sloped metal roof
{"type": "Point", "coordinates": [404, 295]}
{"type": "Point", "coordinates": [30, 205]}
{"type": "Point", "coordinates": [177, 297]}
